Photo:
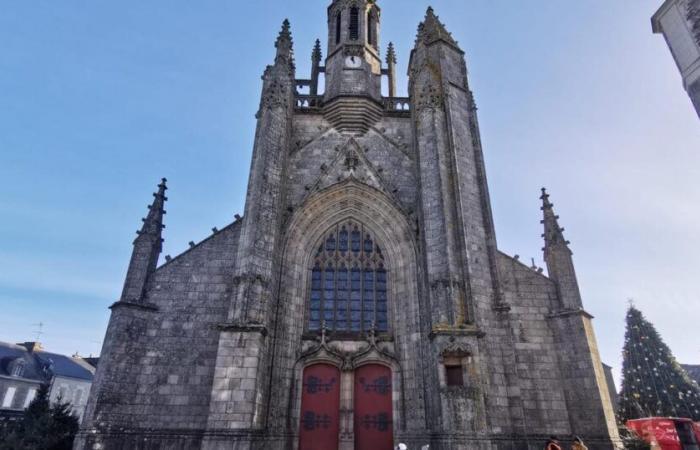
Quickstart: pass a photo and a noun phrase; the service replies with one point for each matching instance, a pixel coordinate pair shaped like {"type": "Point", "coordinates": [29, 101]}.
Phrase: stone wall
{"type": "Point", "coordinates": [161, 362]}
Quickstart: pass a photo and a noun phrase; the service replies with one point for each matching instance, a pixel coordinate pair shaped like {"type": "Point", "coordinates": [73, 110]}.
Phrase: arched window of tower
{"type": "Point", "coordinates": [348, 292]}
{"type": "Point", "coordinates": [354, 23]}
{"type": "Point", "coordinates": [338, 27]}
{"type": "Point", "coordinates": [371, 32]}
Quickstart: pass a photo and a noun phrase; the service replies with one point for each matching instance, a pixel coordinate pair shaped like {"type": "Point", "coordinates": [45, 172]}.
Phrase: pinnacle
{"type": "Point", "coordinates": [285, 36]}
{"type": "Point", "coordinates": [391, 54]}
{"type": "Point", "coordinates": [316, 55]}
{"type": "Point", "coordinates": [431, 30]}
{"type": "Point", "coordinates": [153, 223]}
{"type": "Point", "coordinates": [553, 233]}
{"type": "Point", "coordinates": [284, 45]}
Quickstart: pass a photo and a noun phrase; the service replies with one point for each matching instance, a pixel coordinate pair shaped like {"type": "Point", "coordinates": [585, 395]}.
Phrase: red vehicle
{"type": "Point", "coordinates": [667, 433]}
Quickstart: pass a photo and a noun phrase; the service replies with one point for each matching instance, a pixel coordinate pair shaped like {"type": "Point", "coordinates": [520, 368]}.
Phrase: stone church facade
{"type": "Point", "coordinates": [361, 301]}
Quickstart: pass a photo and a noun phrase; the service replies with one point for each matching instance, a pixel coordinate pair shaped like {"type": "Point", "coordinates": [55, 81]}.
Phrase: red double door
{"type": "Point", "coordinates": [320, 408]}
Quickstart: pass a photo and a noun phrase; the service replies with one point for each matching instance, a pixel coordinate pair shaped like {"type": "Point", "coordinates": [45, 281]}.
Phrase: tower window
{"type": "Point", "coordinates": [371, 34]}
{"type": "Point", "coordinates": [348, 282]}
{"type": "Point", "coordinates": [338, 25]}
{"type": "Point", "coordinates": [454, 376]}
{"type": "Point", "coordinates": [354, 23]}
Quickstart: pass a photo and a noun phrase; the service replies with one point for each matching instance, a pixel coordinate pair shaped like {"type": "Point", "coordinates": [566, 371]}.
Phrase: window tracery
{"type": "Point", "coordinates": [348, 282]}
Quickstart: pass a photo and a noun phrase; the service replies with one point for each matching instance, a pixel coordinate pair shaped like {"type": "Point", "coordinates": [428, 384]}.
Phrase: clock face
{"type": "Point", "coordinates": [353, 62]}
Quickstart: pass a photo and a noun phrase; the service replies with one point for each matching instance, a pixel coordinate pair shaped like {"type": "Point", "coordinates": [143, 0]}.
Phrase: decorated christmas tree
{"type": "Point", "coordinates": [653, 383]}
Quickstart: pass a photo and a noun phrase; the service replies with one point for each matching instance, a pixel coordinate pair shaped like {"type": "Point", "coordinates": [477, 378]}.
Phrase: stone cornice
{"type": "Point", "coordinates": [243, 328]}
{"type": "Point", "coordinates": [568, 313]}
{"type": "Point", "coordinates": [149, 307]}
{"type": "Point", "coordinates": [466, 330]}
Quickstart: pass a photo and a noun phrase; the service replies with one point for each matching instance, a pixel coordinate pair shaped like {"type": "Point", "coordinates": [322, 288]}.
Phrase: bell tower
{"type": "Point", "coordinates": [353, 65]}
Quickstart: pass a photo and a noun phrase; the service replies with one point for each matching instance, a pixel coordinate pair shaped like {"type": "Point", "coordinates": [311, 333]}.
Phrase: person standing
{"type": "Point", "coordinates": [553, 444]}
{"type": "Point", "coordinates": [578, 444]}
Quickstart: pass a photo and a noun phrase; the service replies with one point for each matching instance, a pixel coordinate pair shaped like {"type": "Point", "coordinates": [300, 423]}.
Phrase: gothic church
{"type": "Point", "coordinates": [361, 301]}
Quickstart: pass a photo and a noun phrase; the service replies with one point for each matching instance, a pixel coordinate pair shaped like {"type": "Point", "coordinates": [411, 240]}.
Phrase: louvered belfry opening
{"type": "Point", "coordinates": [354, 23]}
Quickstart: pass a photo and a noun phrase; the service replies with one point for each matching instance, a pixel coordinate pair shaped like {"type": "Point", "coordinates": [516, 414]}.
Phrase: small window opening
{"type": "Point", "coordinates": [18, 370]}
{"type": "Point", "coordinates": [454, 376]}
{"type": "Point", "coordinates": [371, 37]}
{"type": "Point", "coordinates": [338, 25]}
{"type": "Point", "coordinates": [354, 23]}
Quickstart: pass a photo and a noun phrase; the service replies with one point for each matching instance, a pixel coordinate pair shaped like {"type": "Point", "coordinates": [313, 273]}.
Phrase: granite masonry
{"type": "Point", "coordinates": [361, 301]}
{"type": "Point", "coordinates": [679, 22]}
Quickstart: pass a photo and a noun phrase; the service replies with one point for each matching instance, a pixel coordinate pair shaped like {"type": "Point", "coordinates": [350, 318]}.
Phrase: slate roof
{"type": "Point", "coordinates": [41, 365]}
{"type": "Point", "coordinates": [693, 370]}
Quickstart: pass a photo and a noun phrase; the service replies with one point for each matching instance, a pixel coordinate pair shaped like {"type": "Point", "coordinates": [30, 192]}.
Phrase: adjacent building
{"type": "Point", "coordinates": [362, 300]}
{"type": "Point", "coordinates": [25, 367]}
{"type": "Point", "coordinates": [679, 22]}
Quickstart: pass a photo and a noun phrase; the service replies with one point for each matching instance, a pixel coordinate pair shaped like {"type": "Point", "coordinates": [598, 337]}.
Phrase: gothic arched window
{"type": "Point", "coordinates": [338, 26]}
{"type": "Point", "coordinates": [348, 282]}
{"type": "Point", "coordinates": [354, 23]}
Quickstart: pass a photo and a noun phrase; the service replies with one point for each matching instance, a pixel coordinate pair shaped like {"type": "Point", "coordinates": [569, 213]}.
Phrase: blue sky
{"type": "Point", "coordinates": [101, 99]}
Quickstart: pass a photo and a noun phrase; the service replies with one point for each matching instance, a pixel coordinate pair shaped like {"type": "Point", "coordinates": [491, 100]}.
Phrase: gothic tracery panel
{"type": "Point", "coordinates": [348, 282]}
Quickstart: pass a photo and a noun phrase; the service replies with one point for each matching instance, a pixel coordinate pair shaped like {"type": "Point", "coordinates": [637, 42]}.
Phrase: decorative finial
{"type": "Point", "coordinates": [317, 54]}
{"type": "Point", "coordinates": [391, 54]}
{"type": "Point", "coordinates": [372, 335]}
{"type": "Point", "coordinates": [153, 222]}
{"type": "Point", "coordinates": [553, 233]}
{"type": "Point", "coordinates": [284, 45]}
{"type": "Point", "coordinates": [545, 199]}
{"type": "Point", "coordinates": [324, 333]}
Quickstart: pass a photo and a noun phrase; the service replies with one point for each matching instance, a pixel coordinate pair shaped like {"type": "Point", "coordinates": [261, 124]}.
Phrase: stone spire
{"type": "Point", "coordinates": [153, 223]}
{"type": "Point", "coordinates": [432, 30]}
{"type": "Point", "coordinates": [390, 54]}
{"type": "Point", "coordinates": [285, 46]}
{"type": "Point", "coordinates": [391, 69]}
{"type": "Point", "coordinates": [147, 247]}
{"type": "Point", "coordinates": [316, 56]}
{"type": "Point", "coordinates": [560, 265]}
{"type": "Point", "coordinates": [553, 233]}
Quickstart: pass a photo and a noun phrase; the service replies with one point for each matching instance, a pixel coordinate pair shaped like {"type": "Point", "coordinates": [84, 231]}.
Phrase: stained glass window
{"type": "Point", "coordinates": [348, 282]}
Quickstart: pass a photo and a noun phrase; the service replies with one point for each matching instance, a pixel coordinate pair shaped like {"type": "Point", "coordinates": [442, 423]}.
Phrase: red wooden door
{"type": "Point", "coordinates": [320, 408]}
{"type": "Point", "coordinates": [373, 408]}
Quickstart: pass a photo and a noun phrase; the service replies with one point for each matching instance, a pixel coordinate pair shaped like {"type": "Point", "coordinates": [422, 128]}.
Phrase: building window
{"type": "Point", "coordinates": [354, 23]}
{"type": "Point", "coordinates": [348, 282]}
{"type": "Point", "coordinates": [18, 369]}
{"type": "Point", "coordinates": [338, 27]}
{"type": "Point", "coordinates": [454, 375]}
{"type": "Point", "coordinates": [9, 397]}
{"type": "Point", "coordinates": [371, 32]}
{"type": "Point", "coordinates": [78, 397]}
{"type": "Point", "coordinates": [30, 396]}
